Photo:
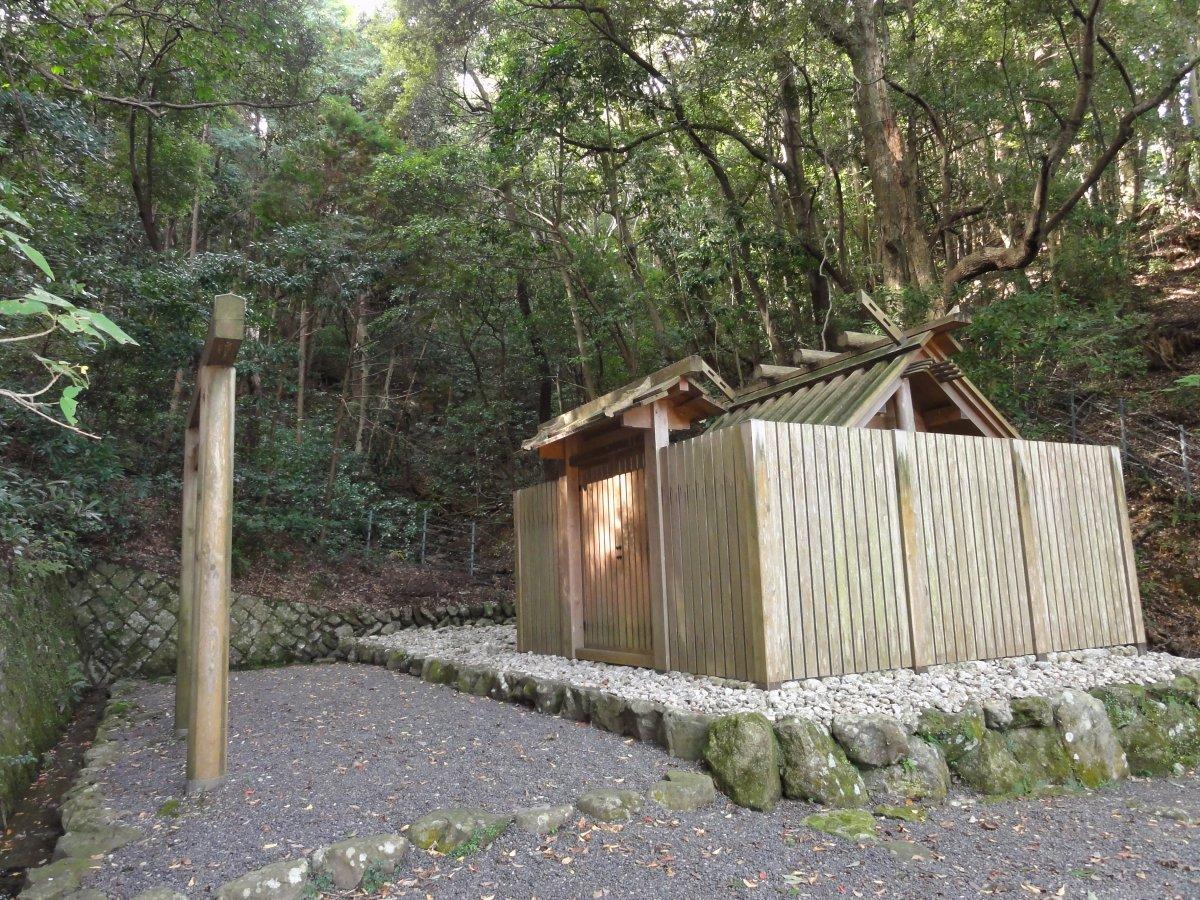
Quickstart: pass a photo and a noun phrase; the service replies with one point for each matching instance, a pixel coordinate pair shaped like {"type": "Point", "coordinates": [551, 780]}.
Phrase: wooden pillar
{"type": "Point", "coordinates": [205, 566]}
{"type": "Point", "coordinates": [208, 709]}
{"type": "Point", "coordinates": [573, 547]}
{"type": "Point", "coordinates": [656, 439]}
{"type": "Point", "coordinates": [906, 419]}
{"type": "Point", "coordinates": [187, 580]}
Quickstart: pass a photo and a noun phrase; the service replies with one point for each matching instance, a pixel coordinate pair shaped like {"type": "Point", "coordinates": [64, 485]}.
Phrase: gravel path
{"type": "Point", "coordinates": [320, 752]}
{"type": "Point", "coordinates": [899, 692]}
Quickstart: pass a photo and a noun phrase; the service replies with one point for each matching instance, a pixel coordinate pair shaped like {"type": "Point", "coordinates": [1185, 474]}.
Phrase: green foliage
{"type": "Point", "coordinates": [40, 317]}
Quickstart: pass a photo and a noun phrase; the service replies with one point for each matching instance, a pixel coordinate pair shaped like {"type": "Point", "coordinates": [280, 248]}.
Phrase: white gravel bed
{"type": "Point", "coordinates": [900, 692]}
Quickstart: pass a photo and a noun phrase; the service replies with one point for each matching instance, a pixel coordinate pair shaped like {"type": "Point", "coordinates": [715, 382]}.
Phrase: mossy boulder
{"type": "Point", "coordinates": [1184, 689]}
{"type": "Point", "coordinates": [1041, 753]}
{"type": "Point", "coordinates": [347, 861]}
{"type": "Point", "coordinates": [873, 740]}
{"type": "Point", "coordinates": [548, 696]}
{"type": "Point", "coordinates": [436, 671]}
{"type": "Point", "coordinates": [1158, 726]}
{"type": "Point", "coordinates": [856, 825]}
{"type": "Point", "coordinates": [921, 775]}
{"type": "Point", "coordinates": [459, 829]}
{"type": "Point", "coordinates": [1031, 712]}
{"type": "Point", "coordinates": [978, 756]}
{"type": "Point", "coordinates": [612, 713]}
{"type": "Point", "coordinates": [57, 879]}
{"type": "Point", "coordinates": [814, 766]}
{"type": "Point", "coordinates": [101, 841]}
{"type": "Point", "coordinates": [743, 753]}
{"type": "Point", "coordinates": [1097, 756]}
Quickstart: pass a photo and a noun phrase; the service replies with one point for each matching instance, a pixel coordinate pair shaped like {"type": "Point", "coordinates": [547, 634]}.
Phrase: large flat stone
{"type": "Point", "coordinates": [284, 880]}
{"type": "Point", "coordinates": [347, 861]}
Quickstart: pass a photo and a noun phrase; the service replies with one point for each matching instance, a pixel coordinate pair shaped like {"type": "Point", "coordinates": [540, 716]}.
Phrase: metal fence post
{"type": "Point", "coordinates": [1124, 436]}
{"type": "Point", "coordinates": [471, 558]}
{"type": "Point", "coordinates": [1183, 455]}
{"type": "Point", "coordinates": [424, 531]}
{"type": "Point", "coordinates": [1074, 431]}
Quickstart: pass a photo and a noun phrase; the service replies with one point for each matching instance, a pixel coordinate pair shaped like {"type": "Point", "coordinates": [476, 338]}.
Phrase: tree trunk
{"type": "Point", "coordinates": [302, 366]}
{"type": "Point", "coordinates": [142, 183]}
{"type": "Point", "coordinates": [194, 242]}
{"type": "Point", "coordinates": [907, 260]}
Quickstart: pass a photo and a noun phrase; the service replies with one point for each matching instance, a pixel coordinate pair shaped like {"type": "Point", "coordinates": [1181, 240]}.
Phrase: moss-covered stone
{"type": "Point", "coordinates": [1164, 739]}
{"type": "Point", "coordinates": [978, 756]}
{"type": "Point", "coordinates": [1158, 726]}
{"type": "Point", "coordinates": [437, 671]}
{"type": "Point", "coordinates": [1097, 756]}
{"type": "Point", "coordinates": [1041, 754]}
{"type": "Point", "coordinates": [285, 880]}
{"type": "Point", "coordinates": [744, 757]}
{"type": "Point", "coordinates": [815, 767]}
{"type": "Point", "coordinates": [921, 775]}
{"type": "Point", "coordinates": [1031, 712]}
{"type": "Point", "coordinates": [451, 830]}
{"type": "Point", "coordinates": [903, 813]}
{"type": "Point", "coordinates": [347, 861]}
{"type": "Point", "coordinates": [58, 879]}
{"type": "Point", "coordinates": [951, 731]}
{"type": "Point", "coordinates": [850, 824]}
{"type": "Point", "coordinates": [686, 733]}
{"type": "Point", "coordinates": [1183, 689]}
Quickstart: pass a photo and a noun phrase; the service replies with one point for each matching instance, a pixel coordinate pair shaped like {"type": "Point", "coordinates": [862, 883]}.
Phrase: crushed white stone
{"type": "Point", "coordinates": [900, 692]}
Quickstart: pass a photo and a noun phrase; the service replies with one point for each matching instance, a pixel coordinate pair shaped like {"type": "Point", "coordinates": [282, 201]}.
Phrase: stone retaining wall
{"type": "Point", "coordinates": [128, 621]}
{"type": "Point", "coordinates": [1024, 746]}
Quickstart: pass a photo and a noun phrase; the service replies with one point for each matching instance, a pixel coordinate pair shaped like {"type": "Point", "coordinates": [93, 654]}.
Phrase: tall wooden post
{"type": "Point", "coordinates": [572, 587]}
{"type": "Point", "coordinates": [207, 573]}
{"type": "Point", "coordinates": [656, 439]}
{"type": "Point", "coordinates": [187, 580]}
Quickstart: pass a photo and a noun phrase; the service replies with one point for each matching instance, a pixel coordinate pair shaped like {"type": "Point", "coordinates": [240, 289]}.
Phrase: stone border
{"type": "Point", "coordinates": [1025, 746]}
{"type": "Point", "coordinates": [90, 826]}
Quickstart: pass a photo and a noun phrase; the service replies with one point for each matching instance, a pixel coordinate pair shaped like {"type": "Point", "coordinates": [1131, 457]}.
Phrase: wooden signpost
{"type": "Point", "coordinates": [202, 683]}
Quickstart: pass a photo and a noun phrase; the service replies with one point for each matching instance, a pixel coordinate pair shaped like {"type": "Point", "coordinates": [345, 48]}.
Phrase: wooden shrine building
{"type": "Point", "coordinates": [863, 510]}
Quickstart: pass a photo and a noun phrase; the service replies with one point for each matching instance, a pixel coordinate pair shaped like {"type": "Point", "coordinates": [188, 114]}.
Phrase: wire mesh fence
{"type": "Point", "coordinates": [1161, 450]}
{"type": "Point", "coordinates": [451, 545]}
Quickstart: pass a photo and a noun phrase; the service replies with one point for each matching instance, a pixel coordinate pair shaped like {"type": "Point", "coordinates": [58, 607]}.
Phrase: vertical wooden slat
{"type": "Point", "coordinates": [920, 624]}
{"type": "Point", "coordinates": [1031, 543]}
{"type": "Point", "coordinates": [775, 623]}
{"type": "Point", "coordinates": [1131, 576]}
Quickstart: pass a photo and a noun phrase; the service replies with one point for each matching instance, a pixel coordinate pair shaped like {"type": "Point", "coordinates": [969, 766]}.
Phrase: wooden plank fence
{"type": "Point", "coordinates": [796, 551]}
{"type": "Point", "coordinates": [540, 621]}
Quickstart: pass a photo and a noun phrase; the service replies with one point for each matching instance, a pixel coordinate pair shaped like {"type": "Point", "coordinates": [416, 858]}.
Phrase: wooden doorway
{"type": "Point", "coordinates": [616, 562]}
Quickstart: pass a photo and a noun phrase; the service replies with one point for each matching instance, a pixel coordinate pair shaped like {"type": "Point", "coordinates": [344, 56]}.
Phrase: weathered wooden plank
{"type": "Point", "coordinates": [1031, 545]}
{"type": "Point", "coordinates": [776, 622]}
{"type": "Point", "coordinates": [791, 560]}
{"type": "Point", "coordinates": [1131, 576]}
{"type": "Point", "coordinates": [922, 646]}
